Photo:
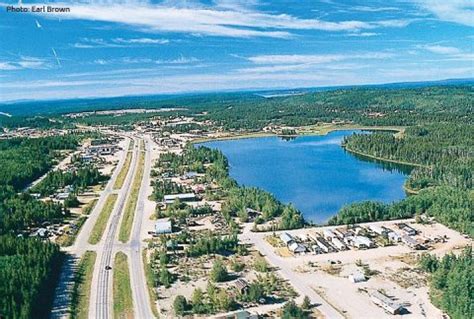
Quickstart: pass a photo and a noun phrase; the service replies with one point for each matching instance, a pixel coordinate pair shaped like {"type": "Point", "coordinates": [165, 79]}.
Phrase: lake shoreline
{"type": "Point", "coordinates": [321, 206]}
{"type": "Point", "coordinates": [304, 131]}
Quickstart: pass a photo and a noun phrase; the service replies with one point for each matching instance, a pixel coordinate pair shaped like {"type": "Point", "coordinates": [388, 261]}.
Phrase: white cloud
{"type": "Point", "coordinates": [141, 41]}
{"type": "Point", "coordinates": [452, 53]}
{"type": "Point", "coordinates": [24, 62]}
{"type": "Point", "coordinates": [457, 11]}
{"type": "Point", "coordinates": [374, 9]}
{"type": "Point", "coordinates": [215, 21]}
{"type": "Point", "coordinates": [314, 58]}
{"type": "Point", "coordinates": [91, 43]}
{"type": "Point", "coordinates": [442, 49]}
{"type": "Point", "coordinates": [363, 34]}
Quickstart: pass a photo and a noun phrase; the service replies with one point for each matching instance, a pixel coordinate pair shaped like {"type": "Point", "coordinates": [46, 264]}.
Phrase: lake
{"type": "Point", "coordinates": [314, 173]}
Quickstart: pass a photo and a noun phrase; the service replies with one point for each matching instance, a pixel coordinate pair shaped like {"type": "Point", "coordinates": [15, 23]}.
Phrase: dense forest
{"type": "Point", "coordinates": [79, 180]}
{"type": "Point", "coordinates": [451, 282]}
{"type": "Point", "coordinates": [443, 151]}
{"type": "Point", "coordinates": [28, 266]}
{"type": "Point", "coordinates": [26, 159]}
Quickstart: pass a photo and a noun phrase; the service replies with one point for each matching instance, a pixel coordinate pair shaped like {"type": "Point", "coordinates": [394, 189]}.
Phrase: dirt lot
{"type": "Point", "coordinates": [392, 270]}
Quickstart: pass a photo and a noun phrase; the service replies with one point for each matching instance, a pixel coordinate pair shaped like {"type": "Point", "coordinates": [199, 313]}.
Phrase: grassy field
{"type": "Point", "coordinates": [82, 286]}
{"type": "Point", "coordinates": [127, 221]}
{"type": "Point", "coordinates": [122, 291]}
{"type": "Point", "coordinates": [123, 173]}
{"type": "Point", "coordinates": [101, 222]}
{"type": "Point", "coordinates": [150, 280]}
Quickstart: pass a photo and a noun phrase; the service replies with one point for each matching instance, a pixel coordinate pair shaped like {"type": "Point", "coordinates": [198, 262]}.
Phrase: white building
{"type": "Point", "coordinates": [186, 197]}
{"type": "Point", "coordinates": [286, 238]}
{"type": "Point", "coordinates": [296, 248]}
{"type": "Point", "coordinates": [357, 277]}
{"type": "Point", "coordinates": [163, 226]}
{"type": "Point", "coordinates": [386, 303]}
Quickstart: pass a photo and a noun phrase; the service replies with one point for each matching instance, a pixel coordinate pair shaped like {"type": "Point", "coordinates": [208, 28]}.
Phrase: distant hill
{"type": "Point", "coordinates": [50, 107]}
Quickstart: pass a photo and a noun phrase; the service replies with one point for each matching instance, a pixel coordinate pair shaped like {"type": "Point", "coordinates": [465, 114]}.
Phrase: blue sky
{"type": "Point", "coordinates": [132, 47]}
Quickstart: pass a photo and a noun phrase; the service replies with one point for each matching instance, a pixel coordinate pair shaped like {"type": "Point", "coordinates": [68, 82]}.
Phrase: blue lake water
{"type": "Point", "coordinates": [313, 172]}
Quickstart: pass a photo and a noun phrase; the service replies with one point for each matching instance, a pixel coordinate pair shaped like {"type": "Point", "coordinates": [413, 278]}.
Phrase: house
{"type": "Point", "coordinates": [186, 197]}
{"type": "Point", "coordinates": [386, 303]}
{"type": "Point", "coordinates": [286, 238]}
{"type": "Point", "coordinates": [239, 314]}
{"type": "Point", "coordinates": [189, 175]}
{"type": "Point", "coordinates": [163, 226]}
{"type": "Point", "coordinates": [394, 237]}
{"type": "Point", "coordinates": [296, 248]}
{"type": "Point", "coordinates": [338, 244]}
{"type": "Point", "coordinates": [343, 232]}
{"type": "Point", "coordinates": [407, 229]}
{"type": "Point", "coordinates": [242, 285]}
{"type": "Point", "coordinates": [357, 277]}
{"type": "Point", "coordinates": [379, 230]}
{"type": "Point", "coordinates": [410, 242]}
{"type": "Point", "coordinates": [252, 213]}
{"type": "Point", "coordinates": [328, 234]}
{"type": "Point", "coordinates": [324, 245]}
{"type": "Point", "coordinates": [360, 242]}
{"type": "Point", "coordinates": [104, 149]}
{"type": "Point", "coordinates": [62, 196]}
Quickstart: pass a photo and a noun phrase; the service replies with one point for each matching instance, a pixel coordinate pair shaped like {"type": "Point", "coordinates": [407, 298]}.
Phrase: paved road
{"type": "Point", "coordinates": [101, 296]}
{"type": "Point", "coordinates": [63, 291]}
{"type": "Point", "coordinates": [302, 286]}
{"type": "Point", "coordinates": [140, 292]}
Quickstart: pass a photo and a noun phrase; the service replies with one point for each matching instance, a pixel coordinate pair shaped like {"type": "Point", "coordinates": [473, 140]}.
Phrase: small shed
{"type": "Point", "coordinates": [357, 277]}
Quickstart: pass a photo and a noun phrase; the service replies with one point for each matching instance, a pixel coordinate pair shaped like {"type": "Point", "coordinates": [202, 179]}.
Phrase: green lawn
{"type": "Point", "coordinates": [82, 286]}
{"type": "Point", "coordinates": [101, 222]}
{"type": "Point", "coordinates": [127, 221]}
{"type": "Point", "coordinates": [122, 289]}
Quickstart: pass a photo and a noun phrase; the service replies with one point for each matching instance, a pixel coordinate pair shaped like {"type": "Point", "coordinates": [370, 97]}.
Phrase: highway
{"type": "Point", "coordinates": [102, 279]}
{"type": "Point", "coordinates": [63, 290]}
{"type": "Point", "coordinates": [140, 292]}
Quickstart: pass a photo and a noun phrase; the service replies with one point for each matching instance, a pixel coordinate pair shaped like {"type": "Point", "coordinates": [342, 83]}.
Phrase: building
{"type": "Point", "coordinates": [410, 242]}
{"type": "Point", "coordinates": [338, 244]}
{"type": "Point", "coordinates": [357, 277]}
{"type": "Point", "coordinates": [186, 197]}
{"type": "Point", "coordinates": [189, 175]}
{"type": "Point", "coordinates": [239, 314]}
{"type": "Point", "coordinates": [386, 303]}
{"type": "Point", "coordinates": [62, 196]}
{"type": "Point", "coordinates": [286, 238]}
{"type": "Point", "coordinates": [379, 230]}
{"type": "Point", "coordinates": [324, 245]}
{"type": "Point", "coordinates": [163, 226]}
{"type": "Point", "coordinates": [242, 285]}
{"type": "Point", "coordinates": [105, 149]}
{"type": "Point", "coordinates": [328, 234]}
{"type": "Point", "coordinates": [296, 248]}
{"type": "Point", "coordinates": [393, 236]}
{"type": "Point", "coordinates": [410, 231]}
{"type": "Point", "coordinates": [360, 242]}
{"type": "Point", "coordinates": [343, 232]}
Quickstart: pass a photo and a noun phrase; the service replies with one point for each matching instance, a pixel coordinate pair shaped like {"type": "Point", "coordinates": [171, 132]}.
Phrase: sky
{"type": "Point", "coordinates": [137, 47]}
